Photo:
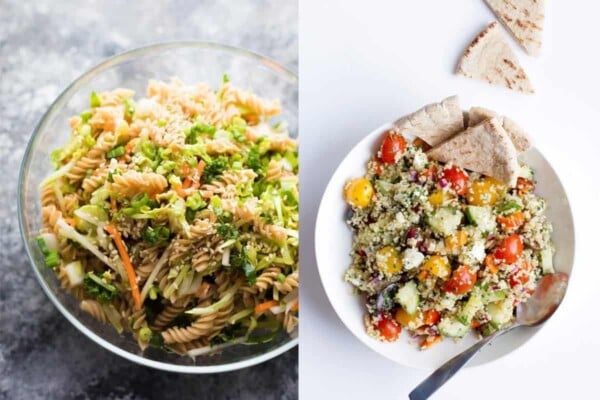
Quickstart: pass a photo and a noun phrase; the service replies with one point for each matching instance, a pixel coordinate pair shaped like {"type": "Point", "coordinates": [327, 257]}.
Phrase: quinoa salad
{"type": "Point", "coordinates": [439, 250]}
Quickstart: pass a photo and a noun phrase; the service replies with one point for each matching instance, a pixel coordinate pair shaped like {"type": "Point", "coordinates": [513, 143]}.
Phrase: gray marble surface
{"type": "Point", "coordinates": [44, 45]}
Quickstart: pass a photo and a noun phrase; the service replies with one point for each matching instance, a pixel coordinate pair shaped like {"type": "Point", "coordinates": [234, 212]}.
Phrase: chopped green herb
{"type": "Point", "coordinates": [214, 168]}
{"type": "Point", "coordinates": [158, 235]}
{"type": "Point", "coordinates": [148, 149]}
{"type": "Point", "coordinates": [227, 231]}
{"type": "Point", "coordinates": [98, 288]}
{"type": "Point", "coordinates": [240, 260]}
{"type": "Point", "coordinates": [253, 160]}
{"type": "Point", "coordinates": [225, 78]}
{"type": "Point", "coordinates": [197, 129]}
{"type": "Point", "coordinates": [156, 341]}
{"type": "Point", "coordinates": [145, 334]}
{"type": "Point", "coordinates": [85, 116]}
{"type": "Point", "coordinates": [129, 107]}
{"type": "Point", "coordinates": [116, 152]}
{"type": "Point", "coordinates": [95, 100]}
{"type": "Point", "coordinates": [281, 278]}
{"type": "Point", "coordinates": [42, 244]}
{"type": "Point", "coordinates": [195, 202]}
{"type": "Point", "coordinates": [161, 123]}
{"type": "Point", "coordinates": [52, 259]}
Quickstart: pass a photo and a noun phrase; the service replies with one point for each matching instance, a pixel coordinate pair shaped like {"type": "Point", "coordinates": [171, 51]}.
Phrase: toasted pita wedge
{"type": "Point", "coordinates": [484, 148]}
{"type": "Point", "coordinates": [479, 114]}
{"type": "Point", "coordinates": [520, 139]}
{"type": "Point", "coordinates": [435, 122]}
{"type": "Point", "coordinates": [490, 58]}
{"type": "Point", "coordinates": [524, 19]}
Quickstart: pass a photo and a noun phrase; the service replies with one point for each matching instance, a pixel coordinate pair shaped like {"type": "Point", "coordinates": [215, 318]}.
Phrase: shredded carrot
{"type": "Point", "coordinates": [129, 147]}
{"type": "Point", "coordinates": [181, 192]}
{"type": "Point", "coordinates": [202, 289]}
{"type": "Point", "coordinates": [265, 306]}
{"type": "Point", "coordinates": [70, 221]}
{"type": "Point", "coordinates": [185, 169]}
{"type": "Point", "coordinates": [187, 182]}
{"type": "Point", "coordinates": [200, 167]}
{"type": "Point", "coordinates": [113, 203]}
{"type": "Point", "coordinates": [295, 306]}
{"type": "Point", "coordinates": [135, 290]}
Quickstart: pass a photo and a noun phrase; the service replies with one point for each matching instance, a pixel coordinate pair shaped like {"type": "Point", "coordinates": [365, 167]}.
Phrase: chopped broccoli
{"type": "Point", "coordinates": [227, 231]}
{"type": "Point", "coordinates": [214, 168]}
{"type": "Point", "coordinates": [99, 288]}
{"type": "Point", "coordinates": [241, 260]}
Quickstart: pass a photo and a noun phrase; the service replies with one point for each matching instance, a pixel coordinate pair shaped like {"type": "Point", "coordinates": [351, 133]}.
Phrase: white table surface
{"type": "Point", "coordinates": [365, 63]}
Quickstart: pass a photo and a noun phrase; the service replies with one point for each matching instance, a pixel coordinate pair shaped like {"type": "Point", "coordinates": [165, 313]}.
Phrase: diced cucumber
{"type": "Point", "coordinates": [481, 217]}
{"type": "Point", "coordinates": [501, 312]}
{"type": "Point", "coordinates": [488, 329]}
{"type": "Point", "coordinates": [408, 297]}
{"type": "Point", "coordinates": [453, 328]}
{"type": "Point", "coordinates": [526, 172]}
{"type": "Point", "coordinates": [471, 307]}
{"type": "Point", "coordinates": [546, 260]}
{"type": "Point", "coordinates": [445, 220]}
{"type": "Point", "coordinates": [492, 296]}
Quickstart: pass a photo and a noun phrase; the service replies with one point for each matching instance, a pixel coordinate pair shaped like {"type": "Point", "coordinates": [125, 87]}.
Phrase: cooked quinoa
{"type": "Point", "coordinates": [439, 250]}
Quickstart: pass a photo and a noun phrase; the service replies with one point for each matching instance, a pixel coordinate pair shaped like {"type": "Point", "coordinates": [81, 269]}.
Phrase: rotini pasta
{"type": "Point", "coordinates": [175, 216]}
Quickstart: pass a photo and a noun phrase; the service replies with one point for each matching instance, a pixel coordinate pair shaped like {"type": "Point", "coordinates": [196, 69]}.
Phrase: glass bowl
{"type": "Point", "coordinates": [192, 62]}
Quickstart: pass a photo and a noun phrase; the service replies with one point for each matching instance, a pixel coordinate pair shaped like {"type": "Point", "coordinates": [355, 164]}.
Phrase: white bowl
{"type": "Point", "coordinates": [333, 243]}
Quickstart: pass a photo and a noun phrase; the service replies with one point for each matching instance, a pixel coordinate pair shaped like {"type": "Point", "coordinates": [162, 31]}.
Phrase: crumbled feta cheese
{"type": "Point", "coordinates": [412, 258]}
{"type": "Point", "coordinates": [420, 161]}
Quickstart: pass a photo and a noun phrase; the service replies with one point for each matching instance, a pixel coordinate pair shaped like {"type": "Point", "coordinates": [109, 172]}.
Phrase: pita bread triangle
{"type": "Point", "coordinates": [435, 122]}
{"type": "Point", "coordinates": [517, 135]}
{"type": "Point", "coordinates": [484, 148]}
{"type": "Point", "coordinates": [524, 19]}
{"type": "Point", "coordinates": [490, 58]}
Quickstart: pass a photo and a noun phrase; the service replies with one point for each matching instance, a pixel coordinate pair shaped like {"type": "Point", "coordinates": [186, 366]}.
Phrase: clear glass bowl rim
{"type": "Point", "coordinates": [64, 96]}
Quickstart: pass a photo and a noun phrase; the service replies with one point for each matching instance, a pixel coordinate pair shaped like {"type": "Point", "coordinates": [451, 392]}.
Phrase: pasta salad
{"type": "Point", "coordinates": [175, 216]}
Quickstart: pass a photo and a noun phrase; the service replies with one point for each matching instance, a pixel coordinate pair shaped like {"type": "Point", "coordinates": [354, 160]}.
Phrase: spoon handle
{"type": "Point", "coordinates": [451, 367]}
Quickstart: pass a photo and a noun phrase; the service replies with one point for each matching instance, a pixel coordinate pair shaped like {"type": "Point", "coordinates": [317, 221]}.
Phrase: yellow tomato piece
{"type": "Point", "coordinates": [388, 261]}
{"type": "Point", "coordinates": [438, 266]}
{"type": "Point", "coordinates": [407, 320]}
{"type": "Point", "coordinates": [455, 242]}
{"type": "Point", "coordinates": [485, 191]}
{"type": "Point", "coordinates": [358, 192]}
{"type": "Point", "coordinates": [438, 198]}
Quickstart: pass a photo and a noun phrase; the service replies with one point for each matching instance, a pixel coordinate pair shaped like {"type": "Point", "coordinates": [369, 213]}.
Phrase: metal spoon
{"type": "Point", "coordinates": [538, 308]}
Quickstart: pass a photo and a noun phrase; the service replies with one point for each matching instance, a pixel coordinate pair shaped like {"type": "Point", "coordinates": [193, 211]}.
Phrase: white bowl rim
{"type": "Point", "coordinates": [86, 76]}
{"type": "Point", "coordinates": [361, 338]}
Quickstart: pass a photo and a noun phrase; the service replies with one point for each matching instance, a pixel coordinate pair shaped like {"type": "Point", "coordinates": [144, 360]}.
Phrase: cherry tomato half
{"type": "Point", "coordinates": [462, 280]}
{"type": "Point", "coordinates": [457, 178]}
{"type": "Point", "coordinates": [431, 317]}
{"type": "Point", "coordinates": [509, 250]}
{"type": "Point", "coordinates": [389, 329]}
{"type": "Point", "coordinates": [393, 143]}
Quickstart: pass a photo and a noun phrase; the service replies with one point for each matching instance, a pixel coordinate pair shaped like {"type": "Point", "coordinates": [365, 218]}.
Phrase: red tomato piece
{"type": "Point", "coordinates": [389, 328]}
{"type": "Point", "coordinates": [462, 280]}
{"type": "Point", "coordinates": [431, 317]}
{"type": "Point", "coordinates": [393, 143]}
{"type": "Point", "coordinates": [457, 178]}
{"type": "Point", "coordinates": [509, 250]}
